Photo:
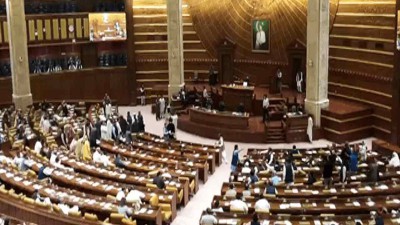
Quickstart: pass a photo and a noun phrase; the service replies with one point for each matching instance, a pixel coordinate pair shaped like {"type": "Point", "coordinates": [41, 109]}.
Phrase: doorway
{"type": "Point", "coordinates": [297, 65]}
{"type": "Point", "coordinates": [297, 62]}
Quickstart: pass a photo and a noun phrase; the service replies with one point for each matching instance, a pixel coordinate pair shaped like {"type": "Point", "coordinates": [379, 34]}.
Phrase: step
{"type": "Point", "coordinates": [275, 138]}
{"type": "Point", "coordinates": [276, 141]}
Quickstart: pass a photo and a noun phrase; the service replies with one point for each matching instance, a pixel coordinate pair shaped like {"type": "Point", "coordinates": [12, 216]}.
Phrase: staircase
{"type": "Point", "coordinates": [275, 132]}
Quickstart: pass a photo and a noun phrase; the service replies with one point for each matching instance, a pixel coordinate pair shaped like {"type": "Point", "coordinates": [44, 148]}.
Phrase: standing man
{"type": "Point", "coordinates": [158, 109]}
{"type": "Point", "coordinates": [265, 108]}
{"type": "Point", "coordinates": [279, 80]}
{"type": "Point", "coordinates": [288, 172]}
{"type": "Point", "coordinates": [205, 96]}
{"type": "Point", "coordinates": [221, 144]}
{"type": "Point", "coordinates": [235, 158]}
{"type": "Point", "coordinates": [211, 76]}
{"type": "Point", "coordinates": [162, 107]}
{"type": "Point", "coordinates": [142, 95]}
{"type": "Point", "coordinates": [310, 129]}
{"type": "Point", "coordinates": [140, 122]}
{"type": "Point", "coordinates": [299, 81]}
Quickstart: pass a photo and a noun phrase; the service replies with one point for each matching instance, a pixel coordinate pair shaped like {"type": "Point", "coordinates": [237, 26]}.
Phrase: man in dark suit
{"type": "Point", "coordinates": [98, 128]}
{"type": "Point", "coordinates": [140, 122]}
{"type": "Point", "coordinates": [159, 181]}
{"type": "Point", "coordinates": [171, 129]}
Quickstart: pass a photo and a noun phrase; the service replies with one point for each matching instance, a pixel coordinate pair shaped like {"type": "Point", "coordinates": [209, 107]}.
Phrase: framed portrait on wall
{"type": "Point", "coordinates": [261, 29]}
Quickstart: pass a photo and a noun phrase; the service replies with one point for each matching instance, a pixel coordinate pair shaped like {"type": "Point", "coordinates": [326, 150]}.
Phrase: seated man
{"type": "Point", "coordinates": [119, 162]}
{"type": "Point", "coordinates": [170, 129]}
{"type": "Point", "coordinates": [246, 192]}
{"type": "Point", "coordinates": [216, 207]}
{"type": "Point", "coordinates": [100, 158]}
{"type": "Point", "coordinates": [262, 205]}
{"type": "Point", "coordinates": [134, 196]}
{"type": "Point", "coordinates": [65, 209]}
{"type": "Point", "coordinates": [239, 205]}
{"type": "Point", "coordinates": [208, 218]}
{"type": "Point", "coordinates": [275, 179]}
{"type": "Point", "coordinates": [231, 192]}
{"type": "Point", "coordinates": [270, 188]}
{"type": "Point", "coordinates": [253, 177]}
{"type": "Point", "coordinates": [159, 180]}
{"type": "Point", "coordinates": [44, 172]}
{"type": "Point", "coordinates": [120, 195]}
{"type": "Point", "coordinates": [124, 209]}
{"type": "Point", "coordinates": [36, 196]}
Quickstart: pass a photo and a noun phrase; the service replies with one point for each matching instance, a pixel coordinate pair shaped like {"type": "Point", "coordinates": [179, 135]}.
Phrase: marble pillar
{"type": "Point", "coordinates": [175, 47]}
{"type": "Point", "coordinates": [22, 96]}
{"type": "Point", "coordinates": [317, 58]}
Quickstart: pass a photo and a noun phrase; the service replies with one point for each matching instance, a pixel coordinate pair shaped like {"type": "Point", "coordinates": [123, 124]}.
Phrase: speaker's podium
{"type": "Point", "coordinates": [234, 95]}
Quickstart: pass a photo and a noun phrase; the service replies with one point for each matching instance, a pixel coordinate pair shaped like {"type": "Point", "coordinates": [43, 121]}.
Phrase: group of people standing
{"type": "Point", "coordinates": [117, 127]}
{"type": "Point", "coordinates": [299, 81]}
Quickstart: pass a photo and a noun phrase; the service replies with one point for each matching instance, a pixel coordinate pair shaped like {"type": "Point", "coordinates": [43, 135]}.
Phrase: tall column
{"type": "Point", "coordinates": [317, 58]}
{"type": "Point", "coordinates": [395, 122]}
{"type": "Point", "coordinates": [175, 46]}
{"type": "Point", "coordinates": [22, 96]}
{"type": "Point", "coordinates": [130, 40]}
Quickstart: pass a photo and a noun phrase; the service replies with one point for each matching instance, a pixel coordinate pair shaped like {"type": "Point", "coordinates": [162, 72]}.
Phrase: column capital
{"type": "Point", "coordinates": [314, 108]}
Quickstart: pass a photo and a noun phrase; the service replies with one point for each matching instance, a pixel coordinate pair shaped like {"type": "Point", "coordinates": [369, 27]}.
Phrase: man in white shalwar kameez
{"type": "Point", "coordinates": [299, 81]}
{"type": "Point", "coordinates": [109, 129]}
{"type": "Point", "coordinates": [103, 131]}
{"type": "Point", "coordinates": [98, 157]}
{"type": "Point", "coordinates": [162, 107]}
{"type": "Point", "coordinates": [310, 128]}
{"type": "Point", "coordinates": [108, 110]}
{"type": "Point", "coordinates": [221, 145]}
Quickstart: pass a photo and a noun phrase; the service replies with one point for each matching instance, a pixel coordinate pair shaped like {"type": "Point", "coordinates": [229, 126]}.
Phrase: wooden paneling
{"type": "Point", "coordinates": [370, 26]}
{"type": "Point", "coordinates": [216, 20]}
{"type": "Point", "coordinates": [362, 58]}
{"type": "Point", "coordinates": [151, 45]}
{"type": "Point", "coordinates": [87, 84]}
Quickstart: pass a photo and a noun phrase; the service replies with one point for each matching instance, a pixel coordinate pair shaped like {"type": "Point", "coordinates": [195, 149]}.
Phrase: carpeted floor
{"type": "Point", "coordinates": [190, 215]}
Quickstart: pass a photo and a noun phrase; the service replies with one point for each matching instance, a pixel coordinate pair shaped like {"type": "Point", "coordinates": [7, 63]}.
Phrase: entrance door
{"type": "Point", "coordinates": [227, 70]}
{"type": "Point", "coordinates": [297, 62]}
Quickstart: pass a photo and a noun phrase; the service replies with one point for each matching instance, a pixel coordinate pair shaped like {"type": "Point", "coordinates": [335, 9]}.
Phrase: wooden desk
{"type": "Point", "coordinates": [83, 202]}
{"type": "Point", "coordinates": [202, 162]}
{"type": "Point", "coordinates": [296, 128]}
{"type": "Point", "coordinates": [18, 209]}
{"type": "Point", "coordinates": [198, 148]}
{"type": "Point", "coordinates": [234, 95]}
{"type": "Point", "coordinates": [219, 119]}
{"type": "Point", "coordinates": [316, 206]}
{"type": "Point", "coordinates": [237, 218]}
